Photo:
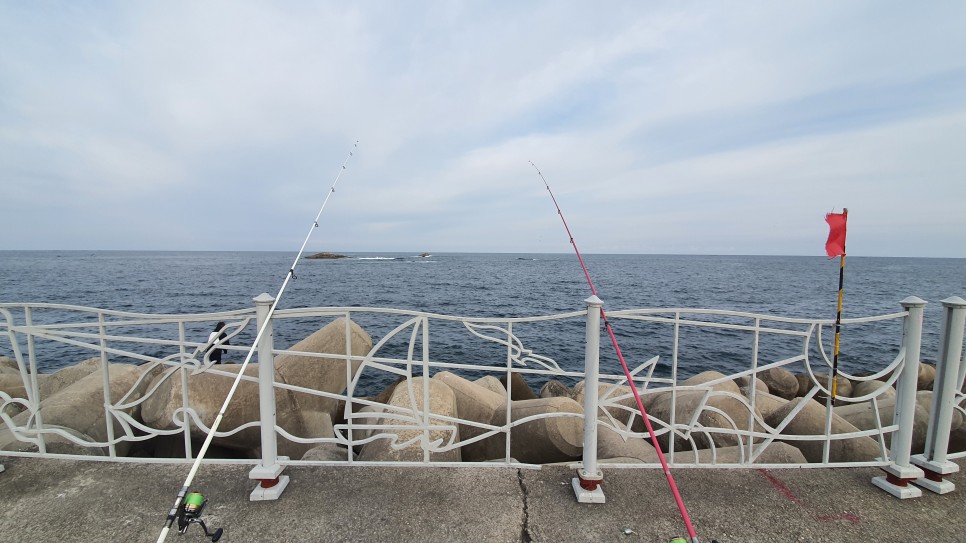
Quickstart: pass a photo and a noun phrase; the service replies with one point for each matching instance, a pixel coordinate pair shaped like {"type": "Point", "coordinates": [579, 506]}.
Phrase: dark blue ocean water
{"type": "Point", "coordinates": [497, 285]}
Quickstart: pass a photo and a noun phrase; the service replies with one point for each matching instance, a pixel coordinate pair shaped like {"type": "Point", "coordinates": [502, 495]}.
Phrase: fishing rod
{"type": "Point", "coordinates": [188, 506]}
{"type": "Point", "coordinates": [627, 372]}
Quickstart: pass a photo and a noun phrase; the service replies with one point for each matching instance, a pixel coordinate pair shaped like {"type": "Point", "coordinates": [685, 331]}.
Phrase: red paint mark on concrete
{"type": "Point", "coordinates": [780, 486]}
{"type": "Point", "coordinates": [788, 493]}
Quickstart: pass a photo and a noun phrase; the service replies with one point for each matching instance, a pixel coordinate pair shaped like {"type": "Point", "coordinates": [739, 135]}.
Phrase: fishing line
{"type": "Point", "coordinates": [627, 373]}
{"type": "Point", "coordinates": [180, 499]}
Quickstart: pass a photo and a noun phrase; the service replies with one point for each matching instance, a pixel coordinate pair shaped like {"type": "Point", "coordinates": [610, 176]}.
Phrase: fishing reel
{"type": "Point", "coordinates": [189, 512]}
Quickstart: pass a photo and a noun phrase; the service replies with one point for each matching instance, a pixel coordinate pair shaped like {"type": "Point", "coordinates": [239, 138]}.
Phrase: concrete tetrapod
{"type": "Point", "coordinates": [314, 425]}
{"type": "Point", "coordinates": [733, 413]}
{"type": "Point", "coordinates": [367, 415]}
{"type": "Point", "coordinates": [474, 403]}
{"type": "Point", "coordinates": [810, 421]}
{"type": "Point", "coordinates": [295, 411]}
{"type": "Point", "coordinates": [924, 400]}
{"type": "Point", "coordinates": [723, 383]}
{"type": "Point", "coordinates": [12, 385]}
{"type": "Point", "coordinates": [863, 388]}
{"type": "Point", "coordinates": [48, 384]}
{"type": "Point", "coordinates": [766, 404]}
{"type": "Point", "coordinates": [776, 453]}
{"type": "Point", "coordinates": [781, 382]}
{"type": "Point", "coordinates": [518, 387]}
{"type": "Point", "coordinates": [863, 417]}
{"type": "Point", "coordinates": [327, 452]}
{"type": "Point", "coordinates": [926, 377]}
{"type": "Point", "coordinates": [492, 384]}
{"type": "Point", "coordinates": [619, 400]}
{"type": "Point", "coordinates": [843, 386]}
{"type": "Point", "coordinates": [745, 382]}
{"type": "Point", "coordinates": [8, 365]}
{"type": "Point", "coordinates": [324, 374]}
{"type": "Point", "coordinates": [716, 411]}
{"type": "Point", "coordinates": [321, 425]}
{"type": "Point", "coordinates": [206, 394]}
{"type": "Point", "coordinates": [64, 377]}
{"type": "Point", "coordinates": [554, 388]}
{"type": "Point", "coordinates": [554, 438]}
{"type": "Point", "coordinates": [804, 384]}
{"type": "Point", "coordinates": [80, 406]}
{"type": "Point", "coordinates": [611, 444]}
{"type": "Point", "coordinates": [405, 405]}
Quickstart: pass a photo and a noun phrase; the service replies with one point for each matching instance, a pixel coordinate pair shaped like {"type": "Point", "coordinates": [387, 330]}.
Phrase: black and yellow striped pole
{"type": "Point", "coordinates": [838, 325]}
{"type": "Point", "coordinates": [835, 246]}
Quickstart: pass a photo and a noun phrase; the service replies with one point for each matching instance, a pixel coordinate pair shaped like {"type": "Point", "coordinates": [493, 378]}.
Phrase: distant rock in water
{"type": "Point", "coordinates": [326, 255]}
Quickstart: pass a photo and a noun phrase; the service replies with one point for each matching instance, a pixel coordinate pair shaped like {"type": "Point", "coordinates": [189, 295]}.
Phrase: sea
{"type": "Point", "coordinates": [501, 285]}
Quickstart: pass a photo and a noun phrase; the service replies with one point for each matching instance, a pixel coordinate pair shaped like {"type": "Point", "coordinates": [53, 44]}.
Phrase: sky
{"type": "Point", "coordinates": [662, 127]}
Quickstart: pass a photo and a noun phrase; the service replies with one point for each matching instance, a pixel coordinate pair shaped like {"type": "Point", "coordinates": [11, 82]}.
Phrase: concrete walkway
{"type": "Point", "coordinates": [58, 500]}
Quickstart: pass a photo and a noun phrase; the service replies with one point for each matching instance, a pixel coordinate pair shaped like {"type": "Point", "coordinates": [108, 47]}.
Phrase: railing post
{"type": "Point", "coordinates": [587, 483]}
{"type": "Point", "coordinates": [899, 473]}
{"type": "Point", "coordinates": [933, 460]}
{"type": "Point", "coordinates": [34, 384]}
{"type": "Point", "coordinates": [268, 472]}
{"type": "Point", "coordinates": [106, 383]}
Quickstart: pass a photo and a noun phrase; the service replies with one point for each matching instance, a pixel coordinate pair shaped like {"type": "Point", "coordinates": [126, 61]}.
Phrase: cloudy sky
{"type": "Point", "coordinates": [662, 127]}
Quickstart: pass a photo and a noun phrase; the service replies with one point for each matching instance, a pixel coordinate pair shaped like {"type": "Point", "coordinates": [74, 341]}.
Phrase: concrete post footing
{"type": "Point", "coordinates": [271, 482]}
{"type": "Point", "coordinates": [897, 481]}
{"type": "Point", "coordinates": [934, 472]}
{"type": "Point", "coordinates": [596, 495]}
{"type": "Point", "coordinates": [268, 493]}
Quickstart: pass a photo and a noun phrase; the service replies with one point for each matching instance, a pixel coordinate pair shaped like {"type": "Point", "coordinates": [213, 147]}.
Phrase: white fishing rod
{"type": "Point", "coordinates": [179, 502]}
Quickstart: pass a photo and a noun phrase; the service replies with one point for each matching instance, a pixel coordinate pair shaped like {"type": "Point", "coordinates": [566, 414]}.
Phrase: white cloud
{"type": "Point", "coordinates": [658, 127]}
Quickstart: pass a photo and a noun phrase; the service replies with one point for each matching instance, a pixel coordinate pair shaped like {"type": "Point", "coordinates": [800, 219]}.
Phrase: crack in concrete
{"type": "Point", "coordinates": [525, 528]}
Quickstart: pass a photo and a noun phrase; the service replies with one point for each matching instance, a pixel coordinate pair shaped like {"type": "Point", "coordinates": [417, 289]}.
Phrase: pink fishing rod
{"type": "Point", "coordinates": [627, 372]}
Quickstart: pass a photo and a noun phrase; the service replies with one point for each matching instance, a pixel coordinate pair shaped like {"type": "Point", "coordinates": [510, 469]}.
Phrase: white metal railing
{"type": "Point", "coordinates": [721, 427]}
{"type": "Point", "coordinates": [104, 334]}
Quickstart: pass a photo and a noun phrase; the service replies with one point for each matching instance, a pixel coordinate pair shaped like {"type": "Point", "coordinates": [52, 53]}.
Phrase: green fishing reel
{"type": "Point", "coordinates": [189, 512]}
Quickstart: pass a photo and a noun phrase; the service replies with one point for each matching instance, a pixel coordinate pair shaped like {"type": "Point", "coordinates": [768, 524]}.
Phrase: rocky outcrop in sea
{"type": "Point", "coordinates": [318, 256]}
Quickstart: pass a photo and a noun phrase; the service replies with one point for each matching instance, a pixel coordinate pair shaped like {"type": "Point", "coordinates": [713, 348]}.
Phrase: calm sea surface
{"type": "Point", "coordinates": [492, 285]}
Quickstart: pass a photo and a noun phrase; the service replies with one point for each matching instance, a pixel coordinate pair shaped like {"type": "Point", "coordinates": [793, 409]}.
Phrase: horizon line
{"type": "Point", "coordinates": [455, 253]}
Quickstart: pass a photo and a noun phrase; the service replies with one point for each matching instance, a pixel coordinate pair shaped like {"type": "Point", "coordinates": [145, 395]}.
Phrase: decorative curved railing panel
{"type": "Point", "coordinates": [152, 390]}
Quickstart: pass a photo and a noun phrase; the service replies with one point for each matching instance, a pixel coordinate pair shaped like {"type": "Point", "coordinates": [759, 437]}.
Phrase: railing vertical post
{"type": "Point", "coordinates": [933, 461]}
{"type": "Point", "coordinates": [587, 483]}
{"type": "Point", "coordinates": [899, 472]}
{"type": "Point", "coordinates": [34, 383]}
{"type": "Point", "coordinates": [106, 383]}
{"type": "Point", "coordinates": [268, 472]}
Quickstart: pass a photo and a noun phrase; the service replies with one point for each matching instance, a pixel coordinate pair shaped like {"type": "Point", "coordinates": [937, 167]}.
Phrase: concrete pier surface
{"type": "Point", "coordinates": [62, 500]}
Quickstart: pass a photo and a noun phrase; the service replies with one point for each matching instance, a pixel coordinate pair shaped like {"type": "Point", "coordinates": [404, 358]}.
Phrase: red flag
{"type": "Point", "coordinates": [835, 245]}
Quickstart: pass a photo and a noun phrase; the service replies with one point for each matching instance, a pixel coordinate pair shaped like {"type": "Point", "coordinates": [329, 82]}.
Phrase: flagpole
{"type": "Point", "coordinates": [838, 324]}
{"type": "Point", "coordinates": [838, 319]}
